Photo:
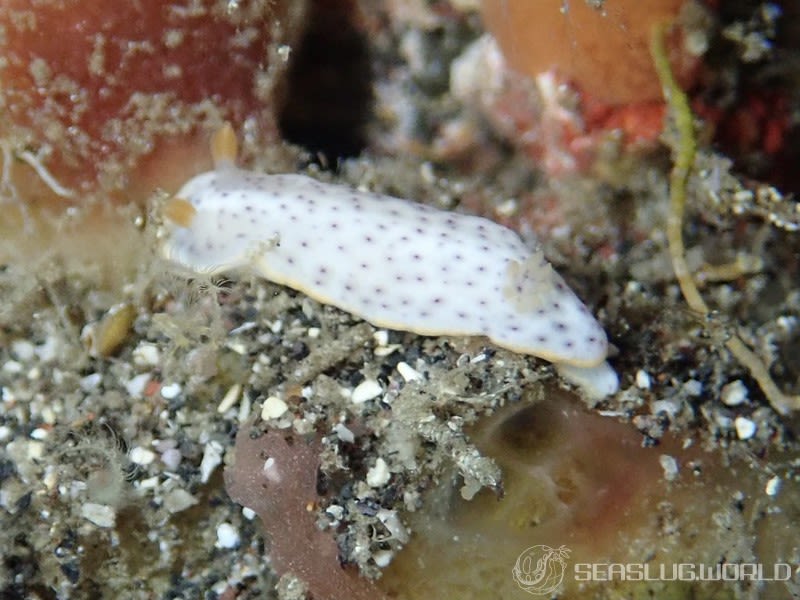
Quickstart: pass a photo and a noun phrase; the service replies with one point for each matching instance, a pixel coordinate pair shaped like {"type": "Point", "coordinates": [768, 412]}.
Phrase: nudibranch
{"type": "Point", "coordinates": [395, 263]}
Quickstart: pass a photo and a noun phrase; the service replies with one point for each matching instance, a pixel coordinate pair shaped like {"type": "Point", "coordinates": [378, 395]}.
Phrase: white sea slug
{"type": "Point", "coordinates": [397, 264]}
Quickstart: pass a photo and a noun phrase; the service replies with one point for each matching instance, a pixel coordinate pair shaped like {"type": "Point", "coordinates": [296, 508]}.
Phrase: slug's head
{"type": "Point", "coordinates": [207, 228]}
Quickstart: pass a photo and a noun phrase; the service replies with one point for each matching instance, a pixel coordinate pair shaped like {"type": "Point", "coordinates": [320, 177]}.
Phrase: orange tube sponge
{"type": "Point", "coordinates": [603, 50]}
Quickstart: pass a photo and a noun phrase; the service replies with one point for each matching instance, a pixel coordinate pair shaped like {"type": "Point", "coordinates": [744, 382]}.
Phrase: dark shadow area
{"type": "Point", "coordinates": [329, 95]}
{"type": "Point", "coordinates": [753, 102]}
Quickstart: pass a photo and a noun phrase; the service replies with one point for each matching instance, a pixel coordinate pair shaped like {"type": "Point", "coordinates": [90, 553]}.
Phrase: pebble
{"type": "Point", "coordinates": [381, 337]}
{"type": "Point", "coordinates": [146, 355]}
{"type": "Point", "coordinates": [6, 395]}
{"type": "Point", "coordinates": [48, 350]}
{"type": "Point", "coordinates": [670, 466]}
{"type": "Point", "coordinates": [227, 536]}
{"type": "Point", "coordinates": [212, 457]}
{"type": "Point", "coordinates": [643, 379]}
{"type": "Point", "coordinates": [670, 407]}
{"type": "Point", "coordinates": [383, 351]}
{"type": "Point", "coordinates": [23, 350]}
{"type": "Point", "coordinates": [745, 428]}
{"type": "Point", "coordinates": [734, 393]}
{"type": "Point", "coordinates": [382, 558]}
{"type": "Point", "coordinates": [408, 373]}
{"type": "Point", "coordinates": [230, 398]}
{"type": "Point", "coordinates": [12, 367]}
{"type": "Point", "coordinates": [151, 483]}
{"type": "Point", "coordinates": [693, 388]}
{"type": "Point", "coordinates": [99, 514]}
{"type": "Point", "coordinates": [135, 385]}
{"type": "Point", "coordinates": [366, 390]}
{"type": "Point", "coordinates": [773, 486]}
{"type": "Point", "coordinates": [344, 433]}
{"type": "Point", "coordinates": [35, 450]}
{"type": "Point", "coordinates": [40, 433]}
{"type": "Point", "coordinates": [244, 409]}
{"type": "Point", "coordinates": [171, 457]}
{"type": "Point", "coordinates": [90, 382]}
{"type": "Point", "coordinates": [723, 421]}
{"type": "Point", "coordinates": [378, 475]}
{"type": "Point", "coordinates": [246, 326]}
{"type": "Point", "coordinates": [305, 425]}
{"type": "Point", "coordinates": [507, 208]}
{"type": "Point", "coordinates": [392, 521]}
{"type": "Point", "coordinates": [51, 478]}
{"type": "Point", "coordinates": [478, 358]}
{"type": "Point", "coordinates": [141, 456]}
{"type": "Point", "coordinates": [336, 511]}
{"type": "Point", "coordinates": [237, 347]}
{"type": "Point", "coordinates": [170, 391]}
{"type": "Point", "coordinates": [273, 408]}
{"type": "Point", "coordinates": [178, 500]}
{"type": "Point", "coordinates": [271, 470]}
